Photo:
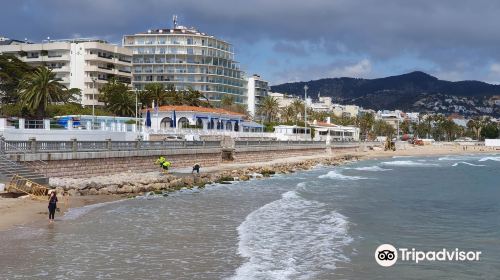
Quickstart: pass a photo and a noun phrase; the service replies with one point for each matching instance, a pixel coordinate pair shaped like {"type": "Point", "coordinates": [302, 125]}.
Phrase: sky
{"type": "Point", "coordinates": [294, 40]}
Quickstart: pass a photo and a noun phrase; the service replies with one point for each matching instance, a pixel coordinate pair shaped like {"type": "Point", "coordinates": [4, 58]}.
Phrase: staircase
{"type": "Point", "coordinates": [9, 168]}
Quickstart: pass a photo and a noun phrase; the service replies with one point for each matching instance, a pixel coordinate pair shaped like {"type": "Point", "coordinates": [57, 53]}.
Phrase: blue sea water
{"type": "Point", "coordinates": [325, 223]}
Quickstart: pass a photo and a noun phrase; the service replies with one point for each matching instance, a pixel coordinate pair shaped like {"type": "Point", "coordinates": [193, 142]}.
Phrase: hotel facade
{"type": "Point", "coordinates": [86, 64]}
{"type": "Point", "coordinates": [257, 90]}
{"type": "Point", "coordinates": [186, 58]}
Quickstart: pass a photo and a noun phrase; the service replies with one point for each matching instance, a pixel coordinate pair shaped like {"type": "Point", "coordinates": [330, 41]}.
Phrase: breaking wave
{"type": "Point", "coordinates": [335, 175]}
{"type": "Point", "coordinates": [370, 168]}
{"type": "Point", "coordinates": [408, 163]}
{"type": "Point", "coordinates": [291, 238]}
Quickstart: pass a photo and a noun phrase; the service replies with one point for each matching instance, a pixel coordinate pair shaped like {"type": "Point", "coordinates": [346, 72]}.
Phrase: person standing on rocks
{"type": "Point", "coordinates": [52, 206]}
{"type": "Point", "coordinates": [196, 167]}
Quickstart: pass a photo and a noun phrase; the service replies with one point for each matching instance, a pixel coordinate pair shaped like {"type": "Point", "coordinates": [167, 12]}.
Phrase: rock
{"type": "Point", "coordinates": [125, 189]}
{"type": "Point", "coordinates": [93, 191]}
{"type": "Point", "coordinates": [73, 192]}
{"type": "Point", "coordinates": [112, 189]}
{"type": "Point", "coordinates": [103, 190]}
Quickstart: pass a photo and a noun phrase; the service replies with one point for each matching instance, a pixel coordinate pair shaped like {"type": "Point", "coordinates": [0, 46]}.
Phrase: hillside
{"type": "Point", "coordinates": [413, 91]}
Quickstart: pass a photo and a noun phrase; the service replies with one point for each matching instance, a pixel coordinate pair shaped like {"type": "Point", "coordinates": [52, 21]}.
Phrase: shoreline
{"type": "Point", "coordinates": [20, 211]}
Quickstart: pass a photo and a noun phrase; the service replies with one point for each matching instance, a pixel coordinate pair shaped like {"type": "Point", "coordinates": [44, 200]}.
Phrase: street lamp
{"type": "Point", "coordinates": [305, 108]}
{"type": "Point", "coordinates": [93, 102]}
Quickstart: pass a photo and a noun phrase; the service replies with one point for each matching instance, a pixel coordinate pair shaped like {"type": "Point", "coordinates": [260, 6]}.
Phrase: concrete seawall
{"type": "Point", "coordinates": [87, 164]}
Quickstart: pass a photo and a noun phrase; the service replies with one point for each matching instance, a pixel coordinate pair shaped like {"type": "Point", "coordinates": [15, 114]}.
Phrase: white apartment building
{"type": "Point", "coordinates": [186, 58]}
{"type": "Point", "coordinates": [324, 104]}
{"type": "Point", "coordinates": [86, 64]}
{"type": "Point", "coordinates": [283, 99]}
{"type": "Point", "coordinates": [348, 111]}
{"type": "Point", "coordinates": [257, 90]}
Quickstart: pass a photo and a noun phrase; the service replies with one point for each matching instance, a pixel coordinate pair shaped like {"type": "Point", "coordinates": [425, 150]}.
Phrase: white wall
{"type": "Point", "coordinates": [251, 96]}
{"type": "Point", "coordinates": [12, 134]}
{"type": "Point", "coordinates": [492, 142]}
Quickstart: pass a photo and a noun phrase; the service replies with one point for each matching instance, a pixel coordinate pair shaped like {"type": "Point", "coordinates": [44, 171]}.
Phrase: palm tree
{"type": "Point", "coordinates": [269, 107]}
{"type": "Point", "coordinates": [195, 98]}
{"type": "Point", "coordinates": [366, 122]}
{"type": "Point", "coordinates": [117, 98]}
{"type": "Point", "coordinates": [227, 101]}
{"type": "Point", "coordinates": [38, 89]}
{"type": "Point", "coordinates": [156, 92]}
{"type": "Point", "coordinates": [287, 114]}
{"type": "Point", "coordinates": [12, 71]}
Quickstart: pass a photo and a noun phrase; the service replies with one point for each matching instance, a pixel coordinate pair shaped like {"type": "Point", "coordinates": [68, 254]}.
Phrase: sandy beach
{"type": "Point", "coordinates": [23, 210]}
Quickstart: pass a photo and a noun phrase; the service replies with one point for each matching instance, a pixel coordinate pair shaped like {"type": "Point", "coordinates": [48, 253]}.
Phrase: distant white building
{"type": "Point", "coordinates": [292, 132]}
{"type": "Point", "coordinates": [283, 99]}
{"type": "Point", "coordinates": [348, 111]}
{"type": "Point", "coordinates": [257, 90]}
{"type": "Point", "coordinates": [326, 131]}
{"type": "Point", "coordinates": [86, 64]}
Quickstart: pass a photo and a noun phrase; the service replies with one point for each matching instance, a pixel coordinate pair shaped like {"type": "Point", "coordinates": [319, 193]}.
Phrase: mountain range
{"type": "Point", "coordinates": [417, 91]}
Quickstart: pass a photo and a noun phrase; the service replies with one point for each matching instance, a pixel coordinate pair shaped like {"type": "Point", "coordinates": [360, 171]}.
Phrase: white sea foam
{"type": "Point", "coordinates": [369, 168]}
{"type": "Point", "coordinates": [467, 163]}
{"type": "Point", "coordinates": [291, 238]}
{"type": "Point", "coordinates": [74, 213]}
{"type": "Point", "coordinates": [408, 163]}
{"type": "Point", "coordinates": [337, 176]}
{"type": "Point", "coordinates": [490, 158]}
{"type": "Point", "coordinates": [458, 158]}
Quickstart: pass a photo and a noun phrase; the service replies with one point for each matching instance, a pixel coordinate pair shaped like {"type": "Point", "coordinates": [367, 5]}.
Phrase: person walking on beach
{"type": "Point", "coordinates": [196, 168]}
{"type": "Point", "coordinates": [52, 206]}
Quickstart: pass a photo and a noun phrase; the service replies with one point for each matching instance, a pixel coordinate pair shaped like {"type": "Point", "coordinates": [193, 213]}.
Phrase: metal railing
{"type": "Point", "coordinates": [20, 150]}
{"type": "Point", "coordinates": [278, 143]}
{"type": "Point", "coordinates": [34, 146]}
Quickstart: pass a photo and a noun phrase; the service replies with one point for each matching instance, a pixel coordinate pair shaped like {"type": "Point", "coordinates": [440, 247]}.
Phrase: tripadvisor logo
{"type": "Point", "coordinates": [387, 255]}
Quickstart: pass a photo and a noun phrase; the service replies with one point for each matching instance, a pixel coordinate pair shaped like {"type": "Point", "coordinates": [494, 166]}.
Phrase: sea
{"type": "Point", "coordinates": [324, 223]}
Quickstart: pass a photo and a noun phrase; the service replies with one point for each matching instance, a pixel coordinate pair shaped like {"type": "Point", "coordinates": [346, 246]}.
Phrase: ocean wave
{"type": "Point", "coordinates": [74, 213]}
{"type": "Point", "coordinates": [335, 175]}
{"type": "Point", "coordinates": [458, 158]}
{"type": "Point", "coordinates": [490, 158]}
{"type": "Point", "coordinates": [467, 163]}
{"type": "Point", "coordinates": [291, 238]}
{"type": "Point", "coordinates": [369, 168]}
{"type": "Point", "coordinates": [408, 163]}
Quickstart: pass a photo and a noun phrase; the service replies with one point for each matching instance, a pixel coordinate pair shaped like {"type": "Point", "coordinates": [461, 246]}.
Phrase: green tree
{"type": "Point", "coordinates": [490, 131]}
{"type": "Point", "coordinates": [227, 101]}
{"type": "Point", "coordinates": [40, 88]}
{"type": "Point", "coordinates": [12, 71]}
{"type": "Point", "coordinates": [269, 108]}
{"type": "Point", "coordinates": [117, 98]}
{"type": "Point", "coordinates": [288, 114]}
{"type": "Point", "coordinates": [382, 128]}
{"type": "Point", "coordinates": [156, 92]}
{"type": "Point", "coordinates": [365, 123]}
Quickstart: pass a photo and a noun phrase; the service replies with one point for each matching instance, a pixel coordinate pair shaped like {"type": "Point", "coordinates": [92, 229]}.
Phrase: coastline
{"type": "Point", "coordinates": [23, 210]}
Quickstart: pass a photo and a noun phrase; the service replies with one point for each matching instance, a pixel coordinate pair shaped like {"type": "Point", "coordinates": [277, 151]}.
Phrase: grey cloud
{"type": "Point", "coordinates": [437, 31]}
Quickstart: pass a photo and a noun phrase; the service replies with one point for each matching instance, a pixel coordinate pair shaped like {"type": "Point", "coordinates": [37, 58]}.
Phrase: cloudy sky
{"type": "Point", "coordinates": [295, 40]}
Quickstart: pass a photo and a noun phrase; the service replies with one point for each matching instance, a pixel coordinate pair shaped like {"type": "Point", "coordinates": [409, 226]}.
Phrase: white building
{"type": "Point", "coordinates": [78, 63]}
{"type": "Point", "coordinates": [326, 131]}
{"type": "Point", "coordinates": [324, 104]}
{"type": "Point", "coordinates": [348, 111]}
{"type": "Point", "coordinates": [257, 90]}
{"type": "Point", "coordinates": [292, 132]}
{"type": "Point", "coordinates": [186, 58]}
{"type": "Point", "coordinates": [283, 99]}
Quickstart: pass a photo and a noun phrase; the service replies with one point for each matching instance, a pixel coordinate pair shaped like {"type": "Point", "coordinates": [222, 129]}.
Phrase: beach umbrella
{"type": "Point", "coordinates": [148, 118]}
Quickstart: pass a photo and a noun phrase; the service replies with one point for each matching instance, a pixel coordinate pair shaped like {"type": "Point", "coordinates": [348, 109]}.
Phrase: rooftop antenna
{"type": "Point", "coordinates": [174, 19]}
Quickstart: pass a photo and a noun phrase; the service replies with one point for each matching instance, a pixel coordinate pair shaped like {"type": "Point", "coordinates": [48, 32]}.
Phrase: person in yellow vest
{"type": "Point", "coordinates": [166, 165]}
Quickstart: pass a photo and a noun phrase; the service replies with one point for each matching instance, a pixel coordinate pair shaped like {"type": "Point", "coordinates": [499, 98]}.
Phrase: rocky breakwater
{"type": "Point", "coordinates": [129, 183]}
